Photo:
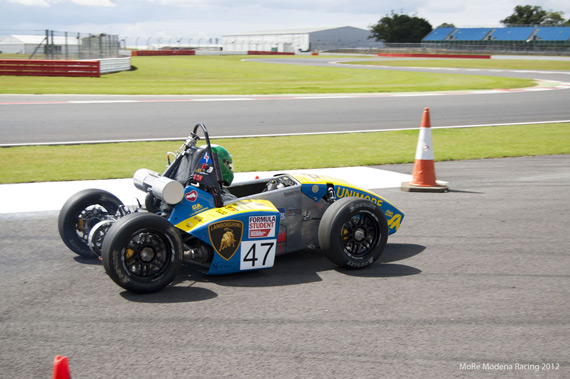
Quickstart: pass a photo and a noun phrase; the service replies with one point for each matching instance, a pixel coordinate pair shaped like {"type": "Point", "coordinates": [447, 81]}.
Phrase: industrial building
{"type": "Point", "coordinates": [304, 40]}
{"type": "Point", "coordinates": [27, 44]}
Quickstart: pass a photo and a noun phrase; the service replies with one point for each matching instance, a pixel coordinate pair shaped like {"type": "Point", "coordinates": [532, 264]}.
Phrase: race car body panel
{"type": "Point", "coordinates": [315, 187]}
{"type": "Point", "coordinates": [242, 234]}
{"type": "Point", "coordinates": [282, 218]}
{"type": "Point", "coordinates": [195, 201]}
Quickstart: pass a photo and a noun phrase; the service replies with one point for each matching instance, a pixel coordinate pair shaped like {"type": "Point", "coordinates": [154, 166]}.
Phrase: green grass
{"type": "Point", "coordinates": [506, 64]}
{"type": "Point", "coordinates": [229, 75]}
{"type": "Point", "coordinates": [121, 160]}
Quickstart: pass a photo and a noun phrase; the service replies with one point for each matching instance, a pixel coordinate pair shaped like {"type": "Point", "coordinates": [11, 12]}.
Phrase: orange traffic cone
{"type": "Point", "coordinates": [423, 176]}
{"type": "Point", "coordinates": [61, 368]}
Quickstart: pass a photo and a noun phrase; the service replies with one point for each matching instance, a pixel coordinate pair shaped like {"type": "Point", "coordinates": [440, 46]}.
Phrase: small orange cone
{"type": "Point", "coordinates": [423, 176]}
{"type": "Point", "coordinates": [61, 368]}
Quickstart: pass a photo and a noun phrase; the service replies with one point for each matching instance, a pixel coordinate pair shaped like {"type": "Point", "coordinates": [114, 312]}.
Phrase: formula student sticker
{"type": "Point", "coordinates": [262, 226]}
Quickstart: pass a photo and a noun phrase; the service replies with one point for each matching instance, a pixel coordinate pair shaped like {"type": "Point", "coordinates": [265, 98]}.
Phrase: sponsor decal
{"type": "Point", "coordinates": [226, 237]}
{"type": "Point", "coordinates": [205, 159]}
{"type": "Point", "coordinates": [282, 236]}
{"type": "Point", "coordinates": [191, 196]}
{"type": "Point", "coordinates": [351, 192]}
{"type": "Point", "coordinates": [262, 226]}
{"type": "Point", "coordinates": [315, 188]}
{"type": "Point", "coordinates": [395, 221]}
{"type": "Point", "coordinates": [290, 193]}
{"type": "Point", "coordinates": [294, 212]}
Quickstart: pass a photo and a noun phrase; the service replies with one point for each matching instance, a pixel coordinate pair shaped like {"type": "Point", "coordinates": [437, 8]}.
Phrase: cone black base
{"type": "Point", "coordinates": [406, 186]}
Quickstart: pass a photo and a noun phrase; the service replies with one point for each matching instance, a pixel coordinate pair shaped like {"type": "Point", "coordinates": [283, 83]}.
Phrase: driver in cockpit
{"type": "Point", "coordinates": [226, 165]}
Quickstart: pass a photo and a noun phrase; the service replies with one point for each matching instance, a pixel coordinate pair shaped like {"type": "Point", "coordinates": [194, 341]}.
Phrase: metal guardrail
{"type": "Point", "coordinates": [110, 65]}
{"type": "Point", "coordinates": [52, 45]}
{"type": "Point", "coordinates": [481, 47]}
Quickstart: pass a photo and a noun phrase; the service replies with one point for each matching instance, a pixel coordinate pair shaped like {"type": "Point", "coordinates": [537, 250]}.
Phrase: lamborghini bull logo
{"type": "Point", "coordinates": [226, 237]}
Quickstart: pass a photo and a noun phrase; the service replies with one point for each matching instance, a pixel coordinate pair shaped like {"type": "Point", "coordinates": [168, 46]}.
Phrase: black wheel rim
{"type": "Point", "coordinates": [360, 235]}
{"type": "Point", "coordinates": [96, 236]}
{"type": "Point", "coordinates": [147, 255]}
{"type": "Point", "coordinates": [87, 219]}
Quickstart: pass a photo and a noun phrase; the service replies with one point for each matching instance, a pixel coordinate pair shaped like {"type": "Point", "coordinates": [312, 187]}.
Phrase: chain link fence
{"type": "Point", "coordinates": [171, 43]}
{"type": "Point", "coordinates": [553, 48]}
{"type": "Point", "coordinates": [51, 44]}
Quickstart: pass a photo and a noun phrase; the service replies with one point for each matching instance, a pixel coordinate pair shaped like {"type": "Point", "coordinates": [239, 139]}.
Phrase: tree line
{"type": "Point", "coordinates": [400, 27]}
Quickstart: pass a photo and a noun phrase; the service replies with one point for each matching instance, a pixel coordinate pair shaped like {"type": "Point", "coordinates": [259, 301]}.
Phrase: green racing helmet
{"type": "Point", "coordinates": [226, 163]}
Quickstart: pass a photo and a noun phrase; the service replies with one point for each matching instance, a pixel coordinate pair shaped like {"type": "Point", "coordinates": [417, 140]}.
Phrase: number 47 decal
{"type": "Point", "coordinates": [257, 254]}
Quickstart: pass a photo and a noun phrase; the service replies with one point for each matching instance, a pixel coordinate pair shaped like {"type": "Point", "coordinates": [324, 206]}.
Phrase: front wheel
{"type": "Point", "coordinates": [80, 213]}
{"type": "Point", "coordinates": [142, 252]}
{"type": "Point", "coordinates": [353, 232]}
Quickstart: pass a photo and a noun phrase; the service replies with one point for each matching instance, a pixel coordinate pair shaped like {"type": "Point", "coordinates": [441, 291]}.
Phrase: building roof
{"type": "Point", "coordinates": [288, 31]}
{"type": "Point", "coordinates": [32, 39]}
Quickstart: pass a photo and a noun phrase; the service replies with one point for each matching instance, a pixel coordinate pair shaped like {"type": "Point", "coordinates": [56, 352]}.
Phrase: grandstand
{"type": "Point", "coordinates": [559, 33]}
{"type": "Point", "coordinates": [469, 34]}
{"type": "Point", "coordinates": [546, 40]}
{"type": "Point", "coordinates": [513, 34]}
{"type": "Point", "coordinates": [439, 34]}
{"type": "Point", "coordinates": [522, 34]}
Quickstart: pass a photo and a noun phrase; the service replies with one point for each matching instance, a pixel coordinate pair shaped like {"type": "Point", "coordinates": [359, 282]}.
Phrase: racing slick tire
{"type": "Point", "coordinates": [142, 252]}
{"type": "Point", "coordinates": [353, 232]}
{"type": "Point", "coordinates": [80, 213]}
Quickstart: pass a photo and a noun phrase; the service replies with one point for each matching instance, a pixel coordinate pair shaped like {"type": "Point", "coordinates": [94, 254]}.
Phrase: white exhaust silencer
{"type": "Point", "coordinates": [168, 190]}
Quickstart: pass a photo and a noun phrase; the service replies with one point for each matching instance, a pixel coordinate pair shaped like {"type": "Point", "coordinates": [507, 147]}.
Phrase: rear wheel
{"type": "Point", "coordinates": [142, 252]}
{"type": "Point", "coordinates": [80, 213]}
{"type": "Point", "coordinates": [353, 232]}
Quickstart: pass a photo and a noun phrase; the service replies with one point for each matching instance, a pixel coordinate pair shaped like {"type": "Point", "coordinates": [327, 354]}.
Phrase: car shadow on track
{"type": "Point", "coordinates": [172, 294]}
{"type": "Point", "coordinates": [304, 267]}
{"type": "Point", "coordinates": [297, 268]}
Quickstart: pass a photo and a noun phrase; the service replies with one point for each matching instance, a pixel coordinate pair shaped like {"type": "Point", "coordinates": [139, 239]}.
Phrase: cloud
{"type": "Point", "coordinates": [31, 3]}
{"type": "Point", "coordinates": [48, 3]}
{"type": "Point", "coordinates": [94, 3]}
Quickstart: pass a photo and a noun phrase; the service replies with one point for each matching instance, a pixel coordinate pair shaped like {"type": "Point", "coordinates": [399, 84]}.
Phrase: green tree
{"type": "Point", "coordinates": [399, 27]}
{"type": "Point", "coordinates": [533, 15]}
{"type": "Point", "coordinates": [446, 25]}
{"type": "Point", "coordinates": [554, 18]}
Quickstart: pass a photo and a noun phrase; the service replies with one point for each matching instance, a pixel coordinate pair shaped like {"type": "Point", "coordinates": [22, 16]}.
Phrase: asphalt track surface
{"type": "Point", "coordinates": [475, 284]}
{"type": "Point", "coordinates": [69, 118]}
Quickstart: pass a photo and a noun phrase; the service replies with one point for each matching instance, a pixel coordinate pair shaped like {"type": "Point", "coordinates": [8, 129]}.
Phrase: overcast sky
{"type": "Point", "coordinates": [214, 18]}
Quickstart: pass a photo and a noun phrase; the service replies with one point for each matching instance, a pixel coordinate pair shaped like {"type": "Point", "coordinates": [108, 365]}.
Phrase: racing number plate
{"type": "Point", "coordinates": [257, 254]}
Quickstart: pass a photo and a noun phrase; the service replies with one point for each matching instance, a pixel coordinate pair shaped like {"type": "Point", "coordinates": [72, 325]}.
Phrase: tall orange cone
{"type": "Point", "coordinates": [61, 368]}
{"type": "Point", "coordinates": [423, 176]}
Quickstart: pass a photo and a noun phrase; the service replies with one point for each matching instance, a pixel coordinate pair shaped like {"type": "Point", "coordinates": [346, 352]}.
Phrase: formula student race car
{"type": "Point", "coordinates": [190, 216]}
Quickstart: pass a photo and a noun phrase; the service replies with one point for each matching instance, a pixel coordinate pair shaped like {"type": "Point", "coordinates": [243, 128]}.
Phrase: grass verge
{"type": "Point", "coordinates": [121, 160]}
{"type": "Point", "coordinates": [501, 64]}
{"type": "Point", "coordinates": [230, 75]}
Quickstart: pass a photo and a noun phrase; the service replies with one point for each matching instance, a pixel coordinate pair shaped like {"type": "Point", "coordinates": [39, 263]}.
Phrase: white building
{"type": "Point", "coordinates": [26, 44]}
{"type": "Point", "coordinates": [289, 41]}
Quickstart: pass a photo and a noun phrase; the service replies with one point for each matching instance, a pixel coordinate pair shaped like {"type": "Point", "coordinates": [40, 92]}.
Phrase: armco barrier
{"type": "Point", "coordinates": [147, 53]}
{"type": "Point", "coordinates": [255, 52]}
{"type": "Point", "coordinates": [411, 55]}
{"type": "Point", "coordinates": [32, 67]}
{"type": "Point", "coordinates": [110, 65]}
